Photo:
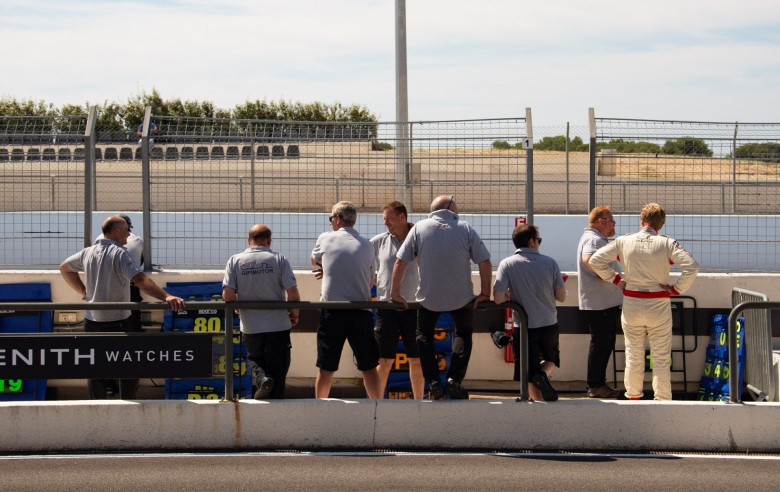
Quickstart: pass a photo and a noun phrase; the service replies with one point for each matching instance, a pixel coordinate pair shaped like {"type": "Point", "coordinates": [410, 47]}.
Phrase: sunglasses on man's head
{"type": "Point", "coordinates": [330, 219]}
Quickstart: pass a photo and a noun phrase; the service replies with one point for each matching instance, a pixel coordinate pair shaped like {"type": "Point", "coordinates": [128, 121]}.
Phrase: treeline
{"type": "Point", "coordinates": [681, 146]}
{"type": "Point", "coordinates": [764, 151]}
{"type": "Point", "coordinates": [129, 114]}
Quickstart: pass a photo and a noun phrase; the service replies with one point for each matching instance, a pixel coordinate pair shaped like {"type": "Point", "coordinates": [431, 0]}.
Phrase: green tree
{"type": "Point", "coordinates": [630, 146]}
{"type": "Point", "coordinates": [558, 143]}
{"type": "Point", "coordinates": [501, 145]}
{"type": "Point", "coordinates": [764, 151]}
{"type": "Point", "coordinates": [687, 146]}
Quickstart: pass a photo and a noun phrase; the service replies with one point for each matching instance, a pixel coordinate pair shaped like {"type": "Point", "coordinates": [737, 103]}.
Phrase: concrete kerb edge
{"type": "Point", "coordinates": [367, 424]}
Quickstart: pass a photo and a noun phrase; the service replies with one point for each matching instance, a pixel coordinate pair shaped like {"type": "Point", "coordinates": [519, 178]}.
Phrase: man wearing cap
{"type": "Point", "coordinates": [108, 269]}
{"type": "Point", "coordinates": [135, 247]}
{"type": "Point", "coordinates": [645, 257]}
{"type": "Point", "coordinates": [443, 246]}
{"type": "Point", "coordinates": [347, 261]}
{"type": "Point", "coordinates": [599, 301]}
{"type": "Point", "coordinates": [260, 274]}
{"type": "Point", "coordinates": [392, 324]}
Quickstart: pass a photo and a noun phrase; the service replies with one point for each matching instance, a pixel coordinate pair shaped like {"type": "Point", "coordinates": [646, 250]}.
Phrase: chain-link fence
{"type": "Point", "coordinates": [720, 180]}
{"type": "Point", "coordinates": [201, 165]}
{"type": "Point", "coordinates": [42, 160]}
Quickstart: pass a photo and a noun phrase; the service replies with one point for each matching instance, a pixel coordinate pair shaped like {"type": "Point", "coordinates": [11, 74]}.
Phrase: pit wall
{"type": "Point", "coordinates": [711, 291]}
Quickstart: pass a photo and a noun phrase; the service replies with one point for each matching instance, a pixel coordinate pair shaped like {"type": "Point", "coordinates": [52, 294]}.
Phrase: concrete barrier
{"type": "Point", "coordinates": [318, 424]}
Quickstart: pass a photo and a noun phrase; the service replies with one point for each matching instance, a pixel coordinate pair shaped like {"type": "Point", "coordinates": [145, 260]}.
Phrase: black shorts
{"type": "Point", "coordinates": [354, 325]}
{"type": "Point", "coordinates": [390, 324]}
{"type": "Point", "coordinates": [542, 345]}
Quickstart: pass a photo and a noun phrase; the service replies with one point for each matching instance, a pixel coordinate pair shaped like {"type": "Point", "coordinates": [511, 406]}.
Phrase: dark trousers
{"type": "Point", "coordinates": [269, 356]}
{"type": "Point", "coordinates": [135, 316]}
{"type": "Point", "coordinates": [461, 343]}
{"type": "Point", "coordinates": [101, 389]}
{"type": "Point", "coordinates": [603, 326]}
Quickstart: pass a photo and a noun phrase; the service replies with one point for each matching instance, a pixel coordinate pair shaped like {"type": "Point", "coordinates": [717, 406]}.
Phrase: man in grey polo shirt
{"type": "Point", "coordinates": [443, 246]}
{"type": "Point", "coordinates": [259, 274]}
{"type": "Point", "coordinates": [535, 282]}
{"type": "Point", "coordinates": [347, 262]}
{"type": "Point", "coordinates": [599, 300]}
{"type": "Point", "coordinates": [134, 246]}
{"type": "Point", "coordinates": [108, 269]}
{"type": "Point", "coordinates": [390, 324]}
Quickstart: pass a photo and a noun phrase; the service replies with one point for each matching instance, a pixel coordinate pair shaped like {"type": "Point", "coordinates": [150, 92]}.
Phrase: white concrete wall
{"type": "Point", "coordinates": [710, 290]}
{"type": "Point", "coordinates": [566, 425]}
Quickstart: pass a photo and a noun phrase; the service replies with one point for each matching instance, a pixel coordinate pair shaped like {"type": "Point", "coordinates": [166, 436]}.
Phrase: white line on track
{"type": "Point", "coordinates": [391, 453]}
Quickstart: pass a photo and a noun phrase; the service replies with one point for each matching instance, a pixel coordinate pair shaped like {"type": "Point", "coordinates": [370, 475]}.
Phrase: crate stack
{"type": "Point", "coordinates": [209, 321]}
{"type": "Point", "coordinates": [714, 385]}
{"type": "Point", "coordinates": [399, 386]}
{"type": "Point", "coordinates": [24, 322]}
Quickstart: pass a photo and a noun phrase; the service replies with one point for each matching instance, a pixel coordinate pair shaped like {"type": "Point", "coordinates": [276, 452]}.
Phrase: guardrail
{"type": "Point", "coordinates": [735, 393]}
{"type": "Point", "coordinates": [159, 306]}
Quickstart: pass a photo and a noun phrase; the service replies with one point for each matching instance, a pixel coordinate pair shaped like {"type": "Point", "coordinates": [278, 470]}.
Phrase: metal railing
{"type": "Point", "coordinates": [735, 393]}
{"type": "Point", "coordinates": [759, 376]}
{"type": "Point", "coordinates": [159, 306]}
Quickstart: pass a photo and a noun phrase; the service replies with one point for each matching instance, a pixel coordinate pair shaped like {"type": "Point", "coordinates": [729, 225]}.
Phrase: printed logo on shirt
{"type": "Point", "coordinates": [253, 268]}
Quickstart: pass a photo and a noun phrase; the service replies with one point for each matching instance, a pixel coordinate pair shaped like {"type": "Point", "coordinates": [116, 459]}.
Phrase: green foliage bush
{"type": "Point", "coordinates": [558, 143]}
{"type": "Point", "coordinates": [630, 147]}
{"type": "Point", "coordinates": [381, 146]}
{"type": "Point", "coordinates": [501, 145]}
{"type": "Point", "coordinates": [128, 115]}
{"type": "Point", "coordinates": [765, 151]}
{"type": "Point", "coordinates": [687, 146]}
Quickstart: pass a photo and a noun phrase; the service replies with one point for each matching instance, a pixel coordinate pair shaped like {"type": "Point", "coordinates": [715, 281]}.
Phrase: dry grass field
{"type": "Point", "coordinates": [484, 181]}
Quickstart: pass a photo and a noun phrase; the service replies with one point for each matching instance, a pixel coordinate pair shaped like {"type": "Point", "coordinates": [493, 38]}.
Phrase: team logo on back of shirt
{"type": "Point", "coordinates": [253, 268]}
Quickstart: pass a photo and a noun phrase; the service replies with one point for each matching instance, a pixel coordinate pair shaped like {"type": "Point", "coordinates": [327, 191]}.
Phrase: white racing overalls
{"type": "Point", "coordinates": [646, 257]}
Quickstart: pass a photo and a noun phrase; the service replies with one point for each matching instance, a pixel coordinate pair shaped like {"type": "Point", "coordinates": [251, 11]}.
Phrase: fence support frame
{"type": "Point", "coordinates": [89, 174]}
{"type": "Point", "coordinates": [529, 168]}
{"type": "Point", "coordinates": [592, 160]}
{"type": "Point", "coordinates": [147, 192]}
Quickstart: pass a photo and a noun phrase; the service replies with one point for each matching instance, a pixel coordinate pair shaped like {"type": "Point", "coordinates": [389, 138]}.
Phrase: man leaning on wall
{"type": "Point", "coordinates": [600, 302]}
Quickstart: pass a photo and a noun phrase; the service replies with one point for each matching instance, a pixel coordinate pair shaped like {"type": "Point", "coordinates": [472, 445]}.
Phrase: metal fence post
{"type": "Point", "coordinates": [592, 161]}
{"type": "Point", "coordinates": [89, 171]}
{"type": "Point", "coordinates": [529, 168]}
{"type": "Point", "coordinates": [147, 191]}
{"type": "Point", "coordinates": [252, 170]}
{"type": "Point", "coordinates": [567, 168]}
{"type": "Point", "coordinates": [228, 354]}
{"type": "Point", "coordinates": [401, 104]}
{"type": "Point", "coordinates": [734, 170]}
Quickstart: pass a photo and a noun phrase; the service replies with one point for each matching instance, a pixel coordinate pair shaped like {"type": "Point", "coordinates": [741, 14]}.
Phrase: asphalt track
{"type": "Point", "coordinates": [388, 471]}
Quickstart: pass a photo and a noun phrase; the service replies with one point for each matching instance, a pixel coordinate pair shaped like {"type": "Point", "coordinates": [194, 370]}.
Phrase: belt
{"type": "Point", "coordinates": [640, 294]}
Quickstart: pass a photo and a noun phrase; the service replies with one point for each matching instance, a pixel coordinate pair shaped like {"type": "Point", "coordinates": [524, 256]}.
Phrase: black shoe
{"type": "Point", "coordinates": [501, 339]}
{"type": "Point", "coordinates": [456, 390]}
{"type": "Point", "coordinates": [603, 393]}
{"type": "Point", "coordinates": [437, 390]}
{"type": "Point", "coordinates": [543, 384]}
{"type": "Point", "coordinates": [264, 388]}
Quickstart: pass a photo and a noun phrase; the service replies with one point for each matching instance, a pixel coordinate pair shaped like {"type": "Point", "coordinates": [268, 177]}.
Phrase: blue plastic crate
{"type": "Point", "coordinates": [206, 389]}
{"type": "Point", "coordinates": [22, 389]}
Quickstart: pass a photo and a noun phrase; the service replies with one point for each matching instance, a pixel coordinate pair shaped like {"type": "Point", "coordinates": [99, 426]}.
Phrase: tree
{"type": "Point", "coordinates": [558, 143]}
{"type": "Point", "coordinates": [764, 151]}
{"type": "Point", "coordinates": [687, 146]}
{"type": "Point", "coordinates": [501, 145]}
{"type": "Point", "coordinates": [630, 146]}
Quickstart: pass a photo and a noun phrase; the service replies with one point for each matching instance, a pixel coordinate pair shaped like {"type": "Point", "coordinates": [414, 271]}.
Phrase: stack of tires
{"type": "Point", "coordinates": [207, 321]}
{"type": "Point", "coordinates": [714, 384]}
{"type": "Point", "coordinates": [24, 322]}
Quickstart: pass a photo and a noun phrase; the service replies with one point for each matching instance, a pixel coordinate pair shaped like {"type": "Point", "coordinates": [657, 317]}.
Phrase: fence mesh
{"type": "Point", "coordinates": [206, 166]}
{"type": "Point", "coordinates": [721, 180]}
{"type": "Point", "coordinates": [42, 161]}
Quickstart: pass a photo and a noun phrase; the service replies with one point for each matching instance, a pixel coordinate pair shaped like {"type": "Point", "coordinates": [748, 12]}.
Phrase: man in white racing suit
{"type": "Point", "coordinates": [645, 257]}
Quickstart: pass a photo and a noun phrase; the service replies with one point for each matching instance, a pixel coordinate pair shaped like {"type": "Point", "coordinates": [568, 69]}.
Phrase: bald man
{"type": "Point", "coordinates": [259, 274]}
{"type": "Point", "coordinates": [443, 246]}
{"type": "Point", "coordinates": [109, 269]}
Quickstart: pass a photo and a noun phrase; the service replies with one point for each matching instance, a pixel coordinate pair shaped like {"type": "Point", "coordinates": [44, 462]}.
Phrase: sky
{"type": "Point", "coordinates": [692, 60]}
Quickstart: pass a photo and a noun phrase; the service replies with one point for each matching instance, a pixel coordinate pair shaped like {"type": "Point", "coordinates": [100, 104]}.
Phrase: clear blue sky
{"type": "Point", "coordinates": [700, 60]}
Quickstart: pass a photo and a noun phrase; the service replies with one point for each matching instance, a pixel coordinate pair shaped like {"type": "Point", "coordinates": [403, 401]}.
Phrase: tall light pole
{"type": "Point", "coordinates": [403, 144]}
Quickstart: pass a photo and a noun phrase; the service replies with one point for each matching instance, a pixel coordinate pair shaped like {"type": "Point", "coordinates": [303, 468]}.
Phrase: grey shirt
{"type": "Point", "coordinates": [385, 248]}
{"type": "Point", "coordinates": [594, 293]}
{"type": "Point", "coordinates": [134, 246]}
{"type": "Point", "coordinates": [347, 265]}
{"type": "Point", "coordinates": [108, 268]}
{"type": "Point", "coordinates": [443, 246]}
{"type": "Point", "coordinates": [531, 278]}
{"type": "Point", "coordinates": [259, 274]}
